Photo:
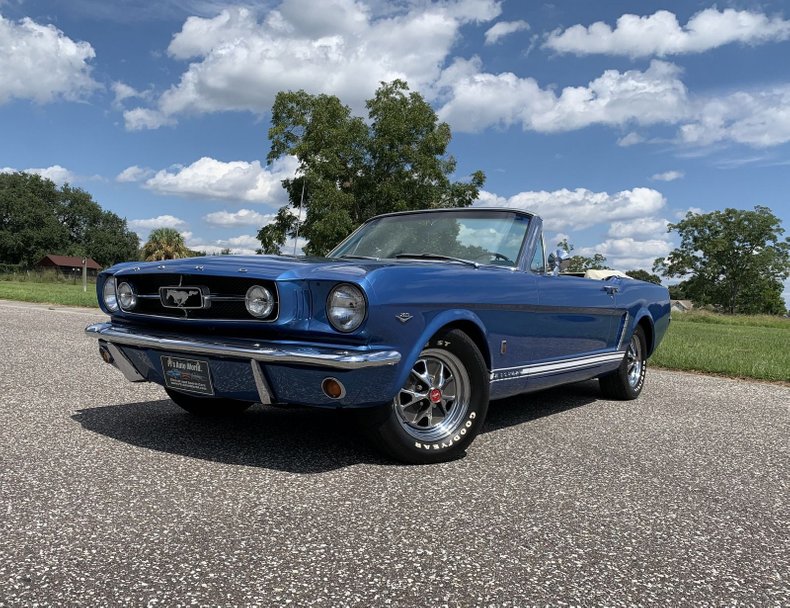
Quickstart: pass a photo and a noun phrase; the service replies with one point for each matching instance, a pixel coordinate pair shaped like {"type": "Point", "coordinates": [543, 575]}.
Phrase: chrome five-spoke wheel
{"type": "Point", "coordinates": [633, 357]}
{"type": "Point", "coordinates": [435, 397]}
{"type": "Point", "coordinates": [629, 379]}
{"type": "Point", "coordinates": [440, 407]}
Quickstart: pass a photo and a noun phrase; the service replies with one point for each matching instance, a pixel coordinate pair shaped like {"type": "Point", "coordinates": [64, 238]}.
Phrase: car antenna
{"type": "Point", "coordinates": [299, 216]}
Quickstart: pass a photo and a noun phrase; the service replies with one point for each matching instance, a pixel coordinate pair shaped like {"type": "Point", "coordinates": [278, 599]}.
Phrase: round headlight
{"type": "Point", "coordinates": [259, 301]}
{"type": "Point", "coordinates": [108, 295]}
{"type": "Point", "coordinates": [126, 296]}
{"type": "Point", "coordinates": [345, 307]}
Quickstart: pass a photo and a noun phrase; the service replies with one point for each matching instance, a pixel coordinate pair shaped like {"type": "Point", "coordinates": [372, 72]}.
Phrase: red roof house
{"type": "Point", "coordinates": [68, 264]}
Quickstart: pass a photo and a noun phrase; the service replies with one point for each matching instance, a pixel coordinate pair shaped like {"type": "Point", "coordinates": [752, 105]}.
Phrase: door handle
{"type": "Point", "coordinates": [611, 289]}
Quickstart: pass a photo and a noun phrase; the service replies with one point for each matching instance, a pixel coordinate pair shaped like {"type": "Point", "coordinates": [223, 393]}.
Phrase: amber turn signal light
{"type": "Point", "coordinates": [333, 388]}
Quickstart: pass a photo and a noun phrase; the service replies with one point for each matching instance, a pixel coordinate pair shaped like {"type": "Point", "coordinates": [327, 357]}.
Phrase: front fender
{"type": "Point", "coordinates": [434, 325]}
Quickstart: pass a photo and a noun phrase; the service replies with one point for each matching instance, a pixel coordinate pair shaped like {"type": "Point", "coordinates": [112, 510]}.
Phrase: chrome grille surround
{"type": "Point", "coordinates": [223, 297]}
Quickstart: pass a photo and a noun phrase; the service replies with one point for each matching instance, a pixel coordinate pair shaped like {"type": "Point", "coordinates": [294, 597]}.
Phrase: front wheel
{"type": "Point", "coordinates": [207, 406]}
{"type": "Point", "coordinates": [629, 380]}
{"type": "Point", "coordinates": [441, 407]}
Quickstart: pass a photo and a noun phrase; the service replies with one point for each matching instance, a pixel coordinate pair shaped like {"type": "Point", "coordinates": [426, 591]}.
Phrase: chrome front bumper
{"type": "Point", "coordinates": [244, 349]}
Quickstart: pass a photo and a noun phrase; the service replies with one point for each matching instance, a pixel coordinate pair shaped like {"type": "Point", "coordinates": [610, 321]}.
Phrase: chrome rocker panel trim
{"type": "Point", "coordinates": [554, 367]}
{"type": "Point", "coordinates": [262, 352]}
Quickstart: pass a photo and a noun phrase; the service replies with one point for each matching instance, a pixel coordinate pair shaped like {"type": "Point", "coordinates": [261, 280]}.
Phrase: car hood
{"type": "Point", "coordinates": [275, 267]}
{"type": "Point", "coordinates": [283, 268]}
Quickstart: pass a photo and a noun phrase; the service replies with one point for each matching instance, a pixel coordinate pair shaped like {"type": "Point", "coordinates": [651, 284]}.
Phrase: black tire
{"type": "Point", "coordinates": [207, 406]}
{"type": "Point", "coordinates": [628, 381]}
{"type": "Point", "coordinates": [455, 392]}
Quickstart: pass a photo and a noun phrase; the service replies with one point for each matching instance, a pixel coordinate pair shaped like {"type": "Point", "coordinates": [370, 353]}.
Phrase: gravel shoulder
{"type": "Point", "coordinates": [111, 495]}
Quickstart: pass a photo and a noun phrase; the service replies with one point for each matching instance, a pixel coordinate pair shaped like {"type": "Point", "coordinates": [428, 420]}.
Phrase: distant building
{"type": "Point", "coordinates": [682, 305]}
{"type": "Point", "coordinates": [68, 265]}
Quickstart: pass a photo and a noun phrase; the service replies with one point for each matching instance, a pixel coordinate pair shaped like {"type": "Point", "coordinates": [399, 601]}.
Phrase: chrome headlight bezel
{"type": "Point", "coordinates": [346, 307]}
{"type": "Point", "coordinates": [109, 295]}
{"type": "Point", "coordinates": [259, 301]}
{"type": "Point", "coordinates": [125, 296]}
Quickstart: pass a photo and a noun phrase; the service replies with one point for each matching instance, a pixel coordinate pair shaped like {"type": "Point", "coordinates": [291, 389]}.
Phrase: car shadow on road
{"type": "Point", "coordinates": [532, 406]}
{"type": "Point", "coordinates": [294, 439]}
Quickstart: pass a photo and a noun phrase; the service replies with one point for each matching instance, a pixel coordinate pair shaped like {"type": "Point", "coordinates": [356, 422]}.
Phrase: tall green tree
{"type": "Point", "coordinates": [351, 169]}
{"type": "Point", "coordinates": [37, 217]}
{"type": "Point", "coordinates": [29, 228]}
{"type": "Point", "coordinates": [733, 258]}
{"type": "Point", "coordinates": [644, 275]}
{"type": "Point", "coordinates": [678, 291]}
{"type": "Point", "coordinates": [109, 240]}
{"type": "Point", "coordinates": [581, 263]}
{"type": "Point", "coordinates": [166, 244]}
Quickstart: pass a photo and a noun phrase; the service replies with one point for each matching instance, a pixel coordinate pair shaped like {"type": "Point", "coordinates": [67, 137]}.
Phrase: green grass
{"type": "Point", "coordinates": [740, 346]}
{"type": "Point", "coordinates": [49, 293]}
{"type": "Point", "coordinates": [703, 316]}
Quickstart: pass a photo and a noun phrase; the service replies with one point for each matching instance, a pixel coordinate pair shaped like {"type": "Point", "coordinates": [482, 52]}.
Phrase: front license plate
{"type": "Point", "coordinates": [189, 375]}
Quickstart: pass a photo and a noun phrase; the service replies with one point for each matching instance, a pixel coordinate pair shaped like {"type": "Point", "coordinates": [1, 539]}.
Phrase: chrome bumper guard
{"type": "Point", "coordinates": [261, 352]}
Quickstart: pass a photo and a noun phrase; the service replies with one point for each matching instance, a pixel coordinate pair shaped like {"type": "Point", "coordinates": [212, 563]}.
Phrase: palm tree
{"type": "Point", "coordinates": [165, 244]}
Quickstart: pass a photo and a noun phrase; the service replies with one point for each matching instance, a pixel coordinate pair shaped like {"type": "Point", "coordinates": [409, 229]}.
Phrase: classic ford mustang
{"type": "Point", "coordinates": [419, 318]}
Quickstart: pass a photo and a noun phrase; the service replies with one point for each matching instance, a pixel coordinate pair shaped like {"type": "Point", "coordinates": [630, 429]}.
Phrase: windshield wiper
{"type": "Point", "coordinates": [357, 257]}
{"type": "Point", "coordinates": [436, 256]}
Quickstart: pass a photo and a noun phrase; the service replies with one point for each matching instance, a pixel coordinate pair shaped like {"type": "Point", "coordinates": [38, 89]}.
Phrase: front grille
{"type": "Point", "coordinates": [224, 296]}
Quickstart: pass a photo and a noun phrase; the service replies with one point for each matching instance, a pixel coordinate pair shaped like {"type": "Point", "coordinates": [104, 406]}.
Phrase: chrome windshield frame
{"type": "Point", "coordinates": [470, 210]}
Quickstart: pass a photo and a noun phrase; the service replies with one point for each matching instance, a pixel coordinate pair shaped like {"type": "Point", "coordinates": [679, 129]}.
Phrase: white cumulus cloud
{"type": "Point", "coordinates": [134, 174]}
{"type": "Point", "coordinates": [643, 226]}
{"type": "Point", "coordinates": [660, 34]}
{"type": "Point", "coordinates": [340, 47]}
{"type": "Point", "coordinates": [628, 253]}
{"type": "Point", "coordinates": [504, 28]}
{"type": "Point", "coordinates": [123, 91]}
{"type": "Point", "coordinates": [41, 63]}
{"type": "Point", "coordinates": [139, 119]}
{"type": "Point", "coordinates": [242, 217]}
{"type": "Point", "coordinates": [757, 118]}
{"type": "Point", "coordinates": [630, 139]}
{"type": "Point", "coordinates": [667, 176]}
{"type": "Point", "coordinates": [244, 244]}
{"type": "Point", "coordinates": [233, 181]}
{"type": "Point", "coordinates": [580, 208]}
{"type": "Point", "coordinates": [477, 100]}
{"type": "Point", "coordinates": [162, 221]}
{"type": "Point", "coordinates": [474, 100]}
{"type": "Point", "coordinates": [56, 173]}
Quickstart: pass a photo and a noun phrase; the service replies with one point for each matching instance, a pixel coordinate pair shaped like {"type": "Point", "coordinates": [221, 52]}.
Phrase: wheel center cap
{"type": "Point", "coordinates": [435, 395]}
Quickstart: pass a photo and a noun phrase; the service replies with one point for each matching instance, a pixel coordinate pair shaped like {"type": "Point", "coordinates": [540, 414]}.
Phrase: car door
{"type": "Point", "coordinates": [575, 316]}
{"type": "Point", "coordinates": [578, 316]}
{"type": "Point", "coordinates": [563, 328]}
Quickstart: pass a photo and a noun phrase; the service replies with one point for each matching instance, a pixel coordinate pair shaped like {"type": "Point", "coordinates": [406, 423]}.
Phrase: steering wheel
{"type": "Point", "coordinates": [495, 255]}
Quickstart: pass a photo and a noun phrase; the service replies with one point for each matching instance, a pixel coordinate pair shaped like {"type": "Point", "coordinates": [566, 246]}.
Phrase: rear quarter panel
{"type": "Point", "coordinates": [641, 300]}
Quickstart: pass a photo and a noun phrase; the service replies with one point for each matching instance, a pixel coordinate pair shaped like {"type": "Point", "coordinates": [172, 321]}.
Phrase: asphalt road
{"type": "Point", "coordinates": [111, 495]}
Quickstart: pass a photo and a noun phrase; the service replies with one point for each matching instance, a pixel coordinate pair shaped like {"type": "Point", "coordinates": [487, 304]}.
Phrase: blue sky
{"type": "Point", "coordinates": [607, 118]}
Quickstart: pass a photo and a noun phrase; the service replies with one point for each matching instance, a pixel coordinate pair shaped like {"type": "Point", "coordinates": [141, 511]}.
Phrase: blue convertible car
{"type": "Point", "coordinates": [418, 317]}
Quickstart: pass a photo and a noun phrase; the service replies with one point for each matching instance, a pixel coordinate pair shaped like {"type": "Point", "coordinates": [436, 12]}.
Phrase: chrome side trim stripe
{"type": "Point", "coordinates": [245, 349]}
{"type": "Point", "coordinates": [564, 365]}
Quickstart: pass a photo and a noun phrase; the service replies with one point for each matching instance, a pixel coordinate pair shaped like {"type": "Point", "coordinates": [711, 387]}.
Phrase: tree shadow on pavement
{"type": "Point", "coordinates": [295, 439]}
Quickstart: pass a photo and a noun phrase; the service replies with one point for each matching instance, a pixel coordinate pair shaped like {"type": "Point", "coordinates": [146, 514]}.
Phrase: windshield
{"type": "Point", "coordinates": [480, 236]}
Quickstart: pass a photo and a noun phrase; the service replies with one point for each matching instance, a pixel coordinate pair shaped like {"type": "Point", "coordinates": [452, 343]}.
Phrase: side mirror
{"type": "Point", "coordinates": [556, 258]}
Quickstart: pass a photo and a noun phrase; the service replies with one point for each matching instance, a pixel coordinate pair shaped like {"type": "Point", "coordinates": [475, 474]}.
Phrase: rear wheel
{"type": "Point", "coordinates": [440, 408]}
{"type": "Point", "coordinates": [207, 406]}
{"type": "Point", "coordinates": [629, 380]}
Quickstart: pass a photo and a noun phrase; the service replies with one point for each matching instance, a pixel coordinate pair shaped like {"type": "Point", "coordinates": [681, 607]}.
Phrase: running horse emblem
{"type": "Point", "coordinates": [180, 297]}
